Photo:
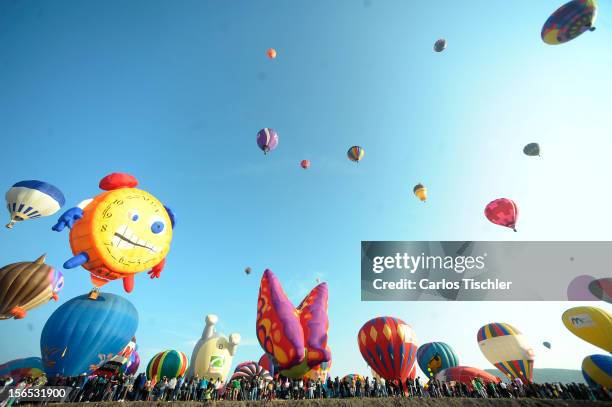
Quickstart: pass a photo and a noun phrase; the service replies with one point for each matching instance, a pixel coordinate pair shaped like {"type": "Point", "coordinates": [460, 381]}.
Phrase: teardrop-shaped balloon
{"type": "Point", "coordinates": [503, 212]}
{"type": "Point", "coordinates": [31, 200]}
{"type": "Point", "coordinates": [267, 140]}
{"type": "Point", "coordinates": [591, 324]}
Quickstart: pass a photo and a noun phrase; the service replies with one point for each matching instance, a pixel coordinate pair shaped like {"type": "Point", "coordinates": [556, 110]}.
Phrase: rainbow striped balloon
{"type": "Point", "coordinates": [170, 363]}
{"type": "Point", "coordinates": [505, 347]}
{"type": "Point", "coordinates": [355, 153]}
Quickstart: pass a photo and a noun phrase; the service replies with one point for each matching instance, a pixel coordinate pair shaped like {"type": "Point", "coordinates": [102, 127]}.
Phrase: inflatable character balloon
{"type": "Point", "coordinates": [212, 355]}
{"type": "Point", "coordinates": [27, 285]}
{"type": "Point", "coordinates": [119, 233]}
{"type": "Point", "coordinates": [295, 338]}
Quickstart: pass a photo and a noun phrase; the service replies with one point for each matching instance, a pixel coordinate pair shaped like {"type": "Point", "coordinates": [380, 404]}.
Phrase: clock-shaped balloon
{"type": "Point", "coordinates": [119, 233]}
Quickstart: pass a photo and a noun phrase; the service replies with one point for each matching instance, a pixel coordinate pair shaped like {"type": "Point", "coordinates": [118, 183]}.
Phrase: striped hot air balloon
{"type": "Point", "coordinates": [505, 347]}
{"type": "Point", "coordinates": [355, 153]}
{"type": "Point", "coordinates": [597, 370]}
{"type": "Point", "coordinates": [251, 370]}
{"type": "Point", "coordinates": [267, 140]}
{"type": "Point", "coordinates": [169, 363]}
{"type": "Point", "coordinates": [389, 347]}
{"type": "Point", "coordinates": [31, 200]}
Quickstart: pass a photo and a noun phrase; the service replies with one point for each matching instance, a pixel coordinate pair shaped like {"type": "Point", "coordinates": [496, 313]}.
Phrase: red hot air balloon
{"type": "Point", "coordinates": [305, 164]}
{"type": "Point", "coordinates": [503, 212]}
{"type": "Point", "coordinates": [389, 346]}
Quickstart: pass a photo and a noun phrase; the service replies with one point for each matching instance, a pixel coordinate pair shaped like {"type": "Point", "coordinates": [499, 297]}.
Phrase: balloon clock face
{"type": "Point", "coordinates": [132, 230]}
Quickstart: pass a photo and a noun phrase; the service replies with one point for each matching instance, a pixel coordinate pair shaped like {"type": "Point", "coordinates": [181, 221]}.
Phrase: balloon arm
{"type": "Point", "coordinates": [209, 329]}
{"type": "Point", "coordinates": [68, 218]}
{"type": "Point", "coordinates": [156, 271]}
{"type": "Point", "coordinates": [76, 261]}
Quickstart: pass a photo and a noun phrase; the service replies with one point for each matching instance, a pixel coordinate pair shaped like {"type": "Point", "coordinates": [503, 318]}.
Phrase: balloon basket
{"type": "Point", "coordinates": [93, 294]}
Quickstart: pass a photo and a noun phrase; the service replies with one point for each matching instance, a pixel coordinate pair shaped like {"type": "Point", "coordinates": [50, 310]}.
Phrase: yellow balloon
{"type": "Point", "coordinates": [420, 191]}
{"type": "Point", "coordinates": [591, 324]}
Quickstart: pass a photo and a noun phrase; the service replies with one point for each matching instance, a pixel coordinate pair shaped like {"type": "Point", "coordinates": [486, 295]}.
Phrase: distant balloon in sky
{"type": "Point", "coordinates": [503, 212]}
{"type": "Point", "coordinates": [532, 149]}
{"type": "Point", "coordinates": [597, 370]}
{"type": "Point", "coordinates": [546, 344]}
{"type": "Point", "coordinates": [591, 324]}
{"type": "Point", "coordinates": [602, 289]}
{"type": "Point", "coordinates": [505, 347]}
{"type": "Point", "coordinates": [420, 191]}
{"type": "Point", "coordinates": [569, 21]}
{"type": "Point", "coordinates": [32, 199]}
{"type": "Point", "coordinates": [440, 45]}
{"type": "Point", "coordinates": [355, 153]}
{"type": "Point", "coordinates": [271, 53]}
{"type": "Point", "coordinates": [247, 271]}
{"type": "Point", "coordinates": [267, 140]}
{"type": "Point", "coordinates": [305, 164]}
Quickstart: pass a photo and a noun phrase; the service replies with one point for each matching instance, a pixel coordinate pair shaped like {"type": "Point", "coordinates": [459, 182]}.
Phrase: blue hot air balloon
{"type": "Point", "coordinates": [32, 199]}
{"type": "Point", "coordinates": [434, 357]}
{"type": "Point", "coordinates": [81, 330]}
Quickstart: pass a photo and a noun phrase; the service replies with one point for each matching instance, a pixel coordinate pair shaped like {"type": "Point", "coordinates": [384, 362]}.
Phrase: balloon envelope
{"type": "Point", "coordinates": [81, 329]}
{"type": "Point", "coordinates": [389, 347]}
{"type": "Point", "coordinates": [133, 364]}
{"type": "Point", "coordinates": [169, 363]}
{"type": "Point", "coordinates": [355, 153]}
{"type": "Point", "coordinates": [267, 139]}
{"type": "Point", "coordinates": [505, 347]}
{"type": "Point", "coordinates": [597, 370]}
{"type": "Point", "coordinates": [465, 374]}
{"type": "Point", "coordinates": [305, 164]}
{"type": "Point", "coordinates": [546, 344]}
{"type": "Point", "coordinates": [602, 289]}
{"type": "Point", "coordinates": [271, 53]}
{"type": "Point", "coordinates": [591, 324]}
{"type": "Point", "coordinates": [32, 199]}
{"type": "Point", "coordinates": [503, 212]}
{"type": "Point", "coordinates": [436, 356]}
{"type": "Point", "coordinates": [440, 45]}
{"type": "Point", "coordinates": [569, 21]}
{"type": "Point", "coordinates": [22, 368]}
{"type": "Point", "coordinates": [532, 149]}
{"type": "Point", "coordinates": [250, 370]}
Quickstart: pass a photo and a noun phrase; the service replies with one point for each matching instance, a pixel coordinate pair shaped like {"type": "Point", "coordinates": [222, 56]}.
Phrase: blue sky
{"type": "Point", "coordinates": [175, 92]}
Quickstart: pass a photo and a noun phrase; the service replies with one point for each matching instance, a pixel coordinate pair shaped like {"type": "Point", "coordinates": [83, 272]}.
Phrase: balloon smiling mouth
{"type": "Point", "coordinates": [122, 241]}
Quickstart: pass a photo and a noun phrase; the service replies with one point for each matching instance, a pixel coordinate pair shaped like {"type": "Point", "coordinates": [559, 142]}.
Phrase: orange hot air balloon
{"type": "Point", "coordinates": [271, 53]}
{"type": "Point", "coordinates": [305, 164]}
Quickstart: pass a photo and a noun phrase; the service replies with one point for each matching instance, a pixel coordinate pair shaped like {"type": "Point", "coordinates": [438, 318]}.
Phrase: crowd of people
{"type": "Point", "coordinates": [138, 388]}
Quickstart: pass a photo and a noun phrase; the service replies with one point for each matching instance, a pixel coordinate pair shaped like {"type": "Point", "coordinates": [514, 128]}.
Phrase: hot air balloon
{"type": "Point", "coordinates": [247, 271]}
{"type": "Point", "coordinates": [319, 372]}
{"type": "Point", "coordinates": [503, 212]}
{"type": "Point", "coordinates": [532, 149]}
{"type": "Point", "coordinates": [305, 164]}
{"type": "Point", "coordinates": [251, 370]}
{"type": "Point", "coordinates": [569, 21]}
{"type": "Point", "coordinates": [119, 233]}
{"type": "Point", "coordinates": [578, 289]}
{"type": "Point", "coordinates": [602, 289]}
{"type": "Point", "coordinates": [267, 362]}
{"type": "Point", "coordinates": [420, 191]}
{"type": "Point", "coordinates": [355, 153]}
{"type": "Point", "coordinates": [546, 344]}
{"type": "Point", "coordinates": [591, 324]}
{"type": "Point", "coordinates": [296, 338]}
{"type": "Point", "coordinates": [389, 347]}
{"type": "Point", "coordinates": [267, 140]}
{"type": "Point", "coordinates": [505, 347]}
{"type": "Point", "coordinates": [271, 53]}
{"type": "Point", "coordinates": [133, 364]}
{"type": "Point", "coordinates": [27, 285]}
{"type": "Point", "coordinates": [597, 370]}
{"type": "Point", "coordinates": [22, 368]}
{"type": "Point", "coordinates": [436, 356]}
{"type": "Point", "coordinates": [32, 199]}
{"type": "Point", "coordinates": [353, 377]}
{"type": "Point", "coordinates": [169, 363]}
{"type": "Point", "coordinates": [117, 363]}
{"type": "Point", "coordinates": [465, 374]}
{"type": "Point", "coordinates": [81, 329]}
{"type": "Point", "coordinates": [440, 45]}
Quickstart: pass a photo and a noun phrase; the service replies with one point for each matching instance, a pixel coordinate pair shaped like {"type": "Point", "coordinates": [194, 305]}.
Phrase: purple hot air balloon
{"type": "Point", "coordinates": [133, 364]}
{"type": "Point", "coordinates": [267, 139]}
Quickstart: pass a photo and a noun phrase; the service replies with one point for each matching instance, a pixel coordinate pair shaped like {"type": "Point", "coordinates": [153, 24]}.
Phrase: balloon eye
{"type": "Point", "coordinates": [133, 215]}
{"type": "Point", "coordinates": [220, 346]}
{"type": "Point", "coordinates": [157, 227]}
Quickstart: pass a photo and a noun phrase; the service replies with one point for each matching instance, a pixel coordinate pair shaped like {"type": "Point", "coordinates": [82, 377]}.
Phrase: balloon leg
{"type": "Point", "coordinates": [128, 283]}
{"type": "Point", "coordinates": [76, 261]}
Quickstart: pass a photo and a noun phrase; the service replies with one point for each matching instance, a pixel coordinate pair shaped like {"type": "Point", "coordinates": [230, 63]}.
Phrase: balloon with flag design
{"type": "Point", "coordinates": [32, 199]}
{"type": "Point", "coordinates": [389, 347]}
{"type": "Point", "coordinates": [506, 348]}
{"type": "Point", "coordinates": [503, 212]}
